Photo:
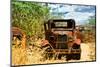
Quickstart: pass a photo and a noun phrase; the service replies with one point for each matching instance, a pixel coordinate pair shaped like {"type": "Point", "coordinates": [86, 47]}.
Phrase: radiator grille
{"type": "Point", "coordinates": [61, 42]}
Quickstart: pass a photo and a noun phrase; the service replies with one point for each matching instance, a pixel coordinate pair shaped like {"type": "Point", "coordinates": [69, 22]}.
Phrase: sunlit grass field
{"type": "Point", "coordinates": [35, 55]}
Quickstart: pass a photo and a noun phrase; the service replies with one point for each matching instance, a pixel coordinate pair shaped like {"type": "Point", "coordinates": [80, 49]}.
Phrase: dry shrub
{"type": "Point", "coordinates": [26, 56]}
{"type": "Point", "coordinates": [19, 56]}
{"type": "Point", "coordinates": [92, 51]}
{"type": "Point", "coordinates": [89, 36]}
{"type": "Point", "coordinates": [31, 55]}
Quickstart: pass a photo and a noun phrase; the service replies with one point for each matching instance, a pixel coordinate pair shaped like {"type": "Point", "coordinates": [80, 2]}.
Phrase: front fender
{"type": "Point", "coordinates": [77, 41]}
{"type": "Point", "coordinates": [44, 43]}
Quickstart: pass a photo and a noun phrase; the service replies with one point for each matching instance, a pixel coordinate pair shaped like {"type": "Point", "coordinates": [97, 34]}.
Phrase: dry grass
{"type": "Point", "coordinates": [19, 56]}
{"type": "Point", "coordinates": [92, 51]}
{"type": "Point", "coordinates": [25, 56]}
{"type": "Point", "coordinates": [31, 56]}
{"type": "Point", "coordinates": [35, 55]}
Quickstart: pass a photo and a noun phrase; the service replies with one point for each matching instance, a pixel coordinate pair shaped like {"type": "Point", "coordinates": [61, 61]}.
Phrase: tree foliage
{"type": "Point", "coordinates": [92, 21]}
{"type": "Point", "coordinates": [29, 17]}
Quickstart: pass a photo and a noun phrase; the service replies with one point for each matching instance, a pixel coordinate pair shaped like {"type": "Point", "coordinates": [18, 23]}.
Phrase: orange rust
{"type": "Point", "coordinates": [17, 31]}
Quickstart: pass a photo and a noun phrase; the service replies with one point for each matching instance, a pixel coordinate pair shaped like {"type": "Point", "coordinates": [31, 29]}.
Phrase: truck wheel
{"type": "Point", "coordinates": [78, 55]}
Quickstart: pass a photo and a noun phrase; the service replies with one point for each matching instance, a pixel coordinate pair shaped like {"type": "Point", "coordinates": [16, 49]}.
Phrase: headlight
{"type": "Point", "coordinates": [52, 38]}
{"type": "Point", "coordinates": [70, 38]}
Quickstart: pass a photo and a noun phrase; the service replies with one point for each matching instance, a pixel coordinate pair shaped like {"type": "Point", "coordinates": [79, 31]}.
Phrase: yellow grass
{"type": "Point", "coordinates": [35, 55]}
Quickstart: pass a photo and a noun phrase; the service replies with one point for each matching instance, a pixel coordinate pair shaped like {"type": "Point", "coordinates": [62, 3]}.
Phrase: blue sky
{"type": "Point", "coordinates": [80, 13]}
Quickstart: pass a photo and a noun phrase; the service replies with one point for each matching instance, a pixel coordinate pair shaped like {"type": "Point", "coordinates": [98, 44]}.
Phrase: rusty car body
{"type": "Point", "coordinates": [62, 38]}
{"type": "Point", "coordinates": [18, 37]}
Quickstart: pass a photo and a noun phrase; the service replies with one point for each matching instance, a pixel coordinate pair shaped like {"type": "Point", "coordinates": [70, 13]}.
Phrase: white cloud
{"type": "Point", "coordinates": [80, 13]}
{"type": "Point", "coordinates": [53, 5]}
{"type": "Point", "coordinates": [67, 8]}
{"type": "Point", "coordinates": [79, 17]}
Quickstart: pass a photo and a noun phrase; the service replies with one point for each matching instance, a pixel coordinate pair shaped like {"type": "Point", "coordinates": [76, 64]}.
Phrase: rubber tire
{"type": "Point", "coordinates": [77, 56]}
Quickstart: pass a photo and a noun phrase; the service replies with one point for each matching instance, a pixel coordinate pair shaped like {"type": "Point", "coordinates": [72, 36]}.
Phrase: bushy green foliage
{"type": "Point", "coordinates": [29, 17]}
{"type": "Point", "coordinates": [92, 20]}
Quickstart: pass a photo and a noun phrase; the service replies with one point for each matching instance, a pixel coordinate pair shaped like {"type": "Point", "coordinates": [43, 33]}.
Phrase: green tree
{"type": "Point", "coordinates": [92, 21]}
{"type": "Point", "coordinates": [29, 16]}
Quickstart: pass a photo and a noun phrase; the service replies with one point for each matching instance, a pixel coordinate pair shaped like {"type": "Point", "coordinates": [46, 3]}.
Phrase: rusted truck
{"type": "Point", "coordinates": [62, 38]}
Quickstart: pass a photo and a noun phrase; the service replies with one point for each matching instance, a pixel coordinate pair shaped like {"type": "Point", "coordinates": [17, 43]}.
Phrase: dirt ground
{"type": "Point", "coordinates": [88, 52]}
